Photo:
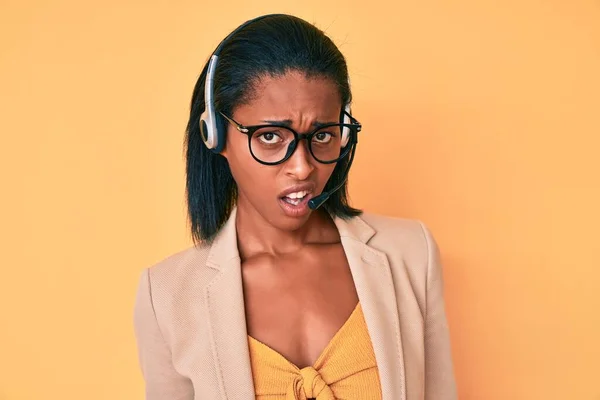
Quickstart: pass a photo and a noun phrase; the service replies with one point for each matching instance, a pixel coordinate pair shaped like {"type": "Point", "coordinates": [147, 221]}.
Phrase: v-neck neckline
{"type": "Point", "coordinates": [324, 352]}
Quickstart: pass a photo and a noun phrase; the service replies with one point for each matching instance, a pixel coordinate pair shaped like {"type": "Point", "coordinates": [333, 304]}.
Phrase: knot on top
{"type": "Point", "coordinates": [309, 384]}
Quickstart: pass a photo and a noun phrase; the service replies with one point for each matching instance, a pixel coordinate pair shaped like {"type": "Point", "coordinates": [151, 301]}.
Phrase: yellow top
{"type": "Point", "coordinates": [346, 369]}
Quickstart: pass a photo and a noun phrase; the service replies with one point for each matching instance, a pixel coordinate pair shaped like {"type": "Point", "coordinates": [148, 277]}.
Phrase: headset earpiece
{"type": "Point", "coordinates": [209, 129]}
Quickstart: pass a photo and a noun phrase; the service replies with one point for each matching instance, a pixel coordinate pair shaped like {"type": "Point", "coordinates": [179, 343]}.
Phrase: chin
{"type": "Point", "coordinates": [286, 223]}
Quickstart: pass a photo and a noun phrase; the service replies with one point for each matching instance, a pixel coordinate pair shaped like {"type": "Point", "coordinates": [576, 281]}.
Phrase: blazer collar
{"type": "Point", "coordinates": [354, 228]}
{"type": "Point", "coordinates": [373, 279]}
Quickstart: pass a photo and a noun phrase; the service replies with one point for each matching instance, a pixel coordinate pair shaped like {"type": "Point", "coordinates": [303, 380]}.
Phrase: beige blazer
{"type": "Point", "coordinates": [190, 322]}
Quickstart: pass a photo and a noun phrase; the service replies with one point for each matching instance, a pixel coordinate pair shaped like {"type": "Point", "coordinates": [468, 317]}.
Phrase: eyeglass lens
{"type": "Point", "coordinates": [272, 144]}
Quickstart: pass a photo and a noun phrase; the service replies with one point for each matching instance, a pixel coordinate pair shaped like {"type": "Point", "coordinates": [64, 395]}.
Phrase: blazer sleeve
{"type": "Point", "coordinates": [162, 381]}
{"type": "Point", "coordinates": [439, 374]}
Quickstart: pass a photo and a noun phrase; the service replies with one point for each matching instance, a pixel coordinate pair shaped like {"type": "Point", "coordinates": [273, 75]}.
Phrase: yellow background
{"type": "Point", "coordinates": [480, 118]}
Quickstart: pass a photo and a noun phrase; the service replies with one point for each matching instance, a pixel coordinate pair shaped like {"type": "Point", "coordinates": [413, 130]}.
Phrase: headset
{"type": "Point", "coordinates": [212, 127]}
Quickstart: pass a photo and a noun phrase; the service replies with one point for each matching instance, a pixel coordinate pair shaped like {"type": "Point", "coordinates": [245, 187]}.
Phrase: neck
{"type": "Point", "coordinates": [256, 235]}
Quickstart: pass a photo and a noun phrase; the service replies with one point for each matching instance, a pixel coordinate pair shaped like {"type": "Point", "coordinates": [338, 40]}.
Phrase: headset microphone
{"type": "Point", "coordinates": [318, 201]}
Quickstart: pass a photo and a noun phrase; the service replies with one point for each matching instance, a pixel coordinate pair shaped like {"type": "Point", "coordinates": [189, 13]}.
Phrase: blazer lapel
{"type": "Point", "coordinates": [227, 318]}
{"type": "Point", "coordinates": [372, 277]}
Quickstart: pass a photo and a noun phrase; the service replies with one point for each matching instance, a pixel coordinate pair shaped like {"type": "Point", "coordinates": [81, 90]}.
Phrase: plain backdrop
{"type": "Point", "coordinates": [480, 118]}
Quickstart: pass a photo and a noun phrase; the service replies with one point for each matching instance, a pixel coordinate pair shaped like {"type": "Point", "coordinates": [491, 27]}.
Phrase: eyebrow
{"type": "Point", "coordinates": [288, 122]}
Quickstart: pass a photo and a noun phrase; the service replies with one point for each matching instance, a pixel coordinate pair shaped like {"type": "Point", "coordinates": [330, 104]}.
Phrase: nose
{"type": "Point", "coordinates": [299, 165]}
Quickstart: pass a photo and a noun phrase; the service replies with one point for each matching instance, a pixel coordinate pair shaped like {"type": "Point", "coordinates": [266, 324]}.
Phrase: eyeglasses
{"type": "Point", "coordinates": [273, 144]}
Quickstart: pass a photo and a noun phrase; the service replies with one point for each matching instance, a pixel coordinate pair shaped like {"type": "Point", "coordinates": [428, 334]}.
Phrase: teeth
{"type": "Point", "coordinates": [297, 195]}
{"type": "Point", "coordinates": [294, 202]}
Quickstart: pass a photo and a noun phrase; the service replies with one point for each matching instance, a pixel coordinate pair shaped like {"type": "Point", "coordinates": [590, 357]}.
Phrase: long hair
{"type": "Point", "coordinates": [271, 46]}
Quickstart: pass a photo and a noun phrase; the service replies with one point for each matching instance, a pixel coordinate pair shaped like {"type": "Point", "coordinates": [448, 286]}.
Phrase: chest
{"type": "Point", "coordinates": [295, 304]}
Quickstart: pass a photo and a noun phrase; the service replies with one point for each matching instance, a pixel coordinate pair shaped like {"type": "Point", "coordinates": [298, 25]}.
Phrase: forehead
{"type": "Point", "coordinates": [292, 96]}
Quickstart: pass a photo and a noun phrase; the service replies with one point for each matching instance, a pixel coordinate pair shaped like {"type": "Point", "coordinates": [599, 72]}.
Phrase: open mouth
{"type": "Point", "coordinates": [296, 198]}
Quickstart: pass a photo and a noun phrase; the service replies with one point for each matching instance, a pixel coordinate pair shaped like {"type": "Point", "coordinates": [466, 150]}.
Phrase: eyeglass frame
{"type": "Point", "coordinates": [249, 130]}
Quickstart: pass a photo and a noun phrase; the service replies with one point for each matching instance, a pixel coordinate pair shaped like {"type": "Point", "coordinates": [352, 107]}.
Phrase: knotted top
{"type": "Point", "coordinates": [346, 369]}
{"type": "Point", "coordinates": [309, 384]}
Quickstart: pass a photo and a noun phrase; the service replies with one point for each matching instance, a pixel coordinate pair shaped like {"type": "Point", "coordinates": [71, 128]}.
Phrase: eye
{"type": "Point", "coordinates": [269, 138]}
{"type": "Point", "coordinates": [323, 137]}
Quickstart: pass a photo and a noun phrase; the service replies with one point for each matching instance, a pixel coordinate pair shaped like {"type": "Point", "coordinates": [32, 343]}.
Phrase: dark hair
{"type": "Point", "coordinates": [271, 46]}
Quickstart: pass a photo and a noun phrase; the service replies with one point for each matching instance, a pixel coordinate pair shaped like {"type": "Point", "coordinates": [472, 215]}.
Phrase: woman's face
{"type": "Point", "coordinates": [280, 193]}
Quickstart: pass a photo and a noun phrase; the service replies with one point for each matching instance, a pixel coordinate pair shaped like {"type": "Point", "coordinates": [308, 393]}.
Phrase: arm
{"type": "Point", "coordinates": [162, 381]}
{"type": "Point", "coordinates": [439, 374]}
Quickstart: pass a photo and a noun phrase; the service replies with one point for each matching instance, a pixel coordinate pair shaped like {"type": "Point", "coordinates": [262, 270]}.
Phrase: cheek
{"type": "Point", "coordinates": [236, 148]}
{"type": "Point", "coordinates": [246, 171]}
{"type": "Point", "coordinates": [324, 172]}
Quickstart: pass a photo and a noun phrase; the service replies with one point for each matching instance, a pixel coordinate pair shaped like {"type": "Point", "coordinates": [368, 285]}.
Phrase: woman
{"type": "Point", "coordinates": [287, 293]}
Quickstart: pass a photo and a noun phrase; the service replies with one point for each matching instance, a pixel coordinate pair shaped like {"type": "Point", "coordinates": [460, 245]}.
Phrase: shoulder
{"type": "Point", "coordinates": [178, 275]}
{"type": "Point", "coordinates": [168, 284]}
{"type": "Point", "coordinates": [179, 264]}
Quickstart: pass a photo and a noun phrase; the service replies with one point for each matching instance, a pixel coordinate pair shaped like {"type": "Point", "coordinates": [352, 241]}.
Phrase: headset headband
{"type": "Point", "coordinates": [211, 126]}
